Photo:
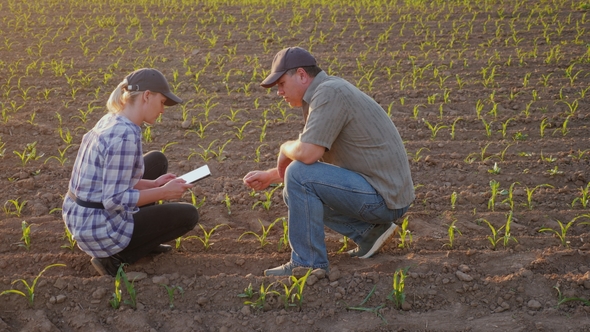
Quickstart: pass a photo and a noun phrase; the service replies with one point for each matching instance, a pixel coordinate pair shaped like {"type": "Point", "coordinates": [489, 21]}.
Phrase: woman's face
{"type": "Point", "coordinates": [154, 106]}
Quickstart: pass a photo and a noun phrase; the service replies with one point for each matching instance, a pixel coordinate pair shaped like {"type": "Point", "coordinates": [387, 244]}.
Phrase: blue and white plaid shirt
{"type": "Point", "coordinates": [108, 166]}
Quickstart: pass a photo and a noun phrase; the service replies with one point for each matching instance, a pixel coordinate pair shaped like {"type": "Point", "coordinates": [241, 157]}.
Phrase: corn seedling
{"type": "Point", "coordinates": [344, 241]}
{"type": "Point", "coordinates": [494, 238]}
{"type": "Point", "coordinates": [196, 204]}
{"type": "Point", "coordinates": [398, 295]}
{"type": "Point", "coordinates": [293, 295]}
{"type": "Point", "coordinates": [61, 158]}
{"type": "Point", "coordinates": [405, 235]}
{"type": "Point", "coordinates": [262, 294]}
{"type": "Point", "coordinates": [205, 240]}
{"type": "Point", "coordinates": [434, 129]}
{"type": "Point", "coordinates": [510, 198]}
{"type": "Point", "coordinates": [68, 236]}
{"type": "Point", "coordinates": [562, 233]}
{"type": "Point", "coordinates": [562, 299]}
{"type": "Point", "coordinates": [268, 198]}
{"type": "Point", "coordinates": [453, 127]}
{"type": "Point", "coordinates": [529, 194]}
{"type": "Point", "coordinates": [18, 207]}
{"type": "Point", "coordinates": [257, 152]}
{"type": "Point", "coordinates": [115, 302]}
{"type": "Point", "coordinates": [507, 236]}
{"type": "Point", "coordinates": [284, 240]}
{"type": "Point", "coordinates": [584, 197]}
{"type": "Point", "coordinates": [375, 310]}
{"type": "Point", "coordinates": [248, 292]}
{"type": "Point", "coordinates": [494, 186]}
{"type": "Point", "coordinates": [262, 238]}
{"type": "Point", "coordinates": [227, 202]}
{"type": "Point", "coordinates": [495, 169]}
{"type": "Point", "coordinates": [416, 156]}
{"type": "Point", "coordinates": [28, 154]}
{"type": "Point", "coordinates": [30, 289]}
{"type": "Point", "coordinates": [26, 235]}
{"type": "Point", "coordinates": [171, 290]}
{"type": "Point", "coordinates": [130, 287]}
{"type": "Point", "coordinates": [451, 233]}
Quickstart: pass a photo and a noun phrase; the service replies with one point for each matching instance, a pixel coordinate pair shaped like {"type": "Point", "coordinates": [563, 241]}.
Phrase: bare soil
{"type": "Point", "coordinates": [60, 60]}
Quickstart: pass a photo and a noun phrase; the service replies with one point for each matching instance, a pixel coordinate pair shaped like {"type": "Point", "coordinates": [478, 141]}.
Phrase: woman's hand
{"type": "Point", "coordinates": [162, 180]}
{"type": "Point", "coordinates": [175, 188]}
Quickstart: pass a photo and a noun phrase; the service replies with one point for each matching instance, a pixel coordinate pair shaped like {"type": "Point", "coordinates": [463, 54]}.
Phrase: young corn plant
{"type": "Point", "coordinates": [30, 289]}
{"type": "Point", "coordinates": [530, 191]}
{"type": "Point", "coordinates": [494, 186]}
{"type": "Point", "coordinates": [510, 198]}
{"type": "Point", "coordinates": [18, 207]}
{"type": "Point", "coordinates": [494, 238]}
{"type": "Point", "coordinates": [562, 233]}
{"type": "Point", "coordinates": [262, 238]}
{"type": "Point", "coordinates": [376, 310]}
{"type": "Point", "coordinates": [26, 237]}
{"type": "Point", "coordinates": [507, 236]}
{"type": "Point", "coordinates": [227, 202]}
{"type": "Point", "coordinates": [268, 198]}
{"type": "Point", "coordinates": [284, 240]}
{"type": "Point", "coordinates": [262, 295]}
{"type": "Point", "coordinates": [68, 236]}
{"type": "Point", "coordinates": [398, 294]}
{"type": "Point", "coordinates": [405, 235]}
{"type": "Point", "coordinates": [451, 233]}
{"type": "Point", "coordinates": [293, 296]}
{"type": "Point", "coordinates": [205, 240]}
{"type": "Point", "coordinates": [434, 129]}
{"type": "Point", "coordinates": [171, 290]}
{"type": "Point", "coordinates": [115, 302]}
{"type": "Point", "coordinates": [584, 197]}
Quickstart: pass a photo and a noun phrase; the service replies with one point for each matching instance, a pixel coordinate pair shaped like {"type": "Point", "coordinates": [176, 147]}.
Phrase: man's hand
{"type": "Point", "coordinates": [260, 180]}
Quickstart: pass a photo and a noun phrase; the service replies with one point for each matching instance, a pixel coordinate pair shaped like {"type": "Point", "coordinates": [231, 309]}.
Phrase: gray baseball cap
{"type": "Point", "coordinates": [285, 59]}
{"type": "Point", "coordinates": [153, 80]}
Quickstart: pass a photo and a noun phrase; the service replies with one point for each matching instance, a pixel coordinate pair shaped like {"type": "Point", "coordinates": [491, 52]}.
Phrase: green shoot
{"type": "Point", "coordinates": [205, 239]}
{"type": "Point", "coordinates": [405, 235]}
{"type": "Point", "coordinates": [170, 290]}
{"type": "Point", "coordinates": [26, 238]}
{"type": "Point", "coordinates": [261, 237]}
{"type": "Point", "coordinates": [451, 232]}
{"type": "Point", "coordinates": [30, 289]}
{"type": "Point", "coordinates": [562, 233]}
{"type": "Point", "coordinates": [398, 295]}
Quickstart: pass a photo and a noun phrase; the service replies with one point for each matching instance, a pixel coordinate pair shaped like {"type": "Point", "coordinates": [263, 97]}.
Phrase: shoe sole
{"type": "Point", "coordinates": [380, 241]}
{"type": "Point", "coordinates": [99, 267]}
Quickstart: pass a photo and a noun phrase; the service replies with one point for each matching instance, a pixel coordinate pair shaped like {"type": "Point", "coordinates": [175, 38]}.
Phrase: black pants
{"type": "Point", "coordinates": [157, 223]}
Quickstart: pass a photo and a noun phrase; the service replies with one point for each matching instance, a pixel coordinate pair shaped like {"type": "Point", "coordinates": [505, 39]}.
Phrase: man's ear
{"type": "Point", "coordinates": [302, 74]}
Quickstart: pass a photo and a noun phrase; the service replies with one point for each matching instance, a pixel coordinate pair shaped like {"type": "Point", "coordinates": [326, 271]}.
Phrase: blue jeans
{"type": "Point", "coordinates": [321, 195]}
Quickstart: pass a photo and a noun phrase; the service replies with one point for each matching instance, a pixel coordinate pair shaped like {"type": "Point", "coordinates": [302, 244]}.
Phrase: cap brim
{"type": "Point", "coordinates": [172, 99]}
{"type": "Point", "coordinates": [272, 79]}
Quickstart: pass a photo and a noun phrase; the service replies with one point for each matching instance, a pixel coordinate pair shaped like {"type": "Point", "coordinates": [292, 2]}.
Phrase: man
{"type": "Point", "coordinates": [348, 170]}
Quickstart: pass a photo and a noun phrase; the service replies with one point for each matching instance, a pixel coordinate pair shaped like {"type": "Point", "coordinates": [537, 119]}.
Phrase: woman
{"type": "Point", "coordinates": [108, 208]}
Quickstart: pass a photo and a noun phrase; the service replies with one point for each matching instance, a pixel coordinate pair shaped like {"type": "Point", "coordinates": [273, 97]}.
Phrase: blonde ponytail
{"type": "Point", "coordinates": [120, 97]}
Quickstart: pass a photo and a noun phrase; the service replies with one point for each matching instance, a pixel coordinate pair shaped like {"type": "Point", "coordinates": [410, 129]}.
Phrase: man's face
{"type": "Point", "coordinates": [292, 88]}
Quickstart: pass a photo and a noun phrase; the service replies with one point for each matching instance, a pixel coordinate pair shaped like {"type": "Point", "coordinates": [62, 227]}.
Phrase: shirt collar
{"type": "Point", "coordinates": [318, 79]}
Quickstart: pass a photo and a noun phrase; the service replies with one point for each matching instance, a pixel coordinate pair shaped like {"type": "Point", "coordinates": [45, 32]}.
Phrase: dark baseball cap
{"type": "Point", "coordinates": [285, 59]}
{"type": "Point", "coordinates": [153, 80]}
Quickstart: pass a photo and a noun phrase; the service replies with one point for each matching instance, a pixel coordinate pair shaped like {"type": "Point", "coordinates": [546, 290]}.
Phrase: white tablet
{"type": "Point", "coordinates": [196, 175]}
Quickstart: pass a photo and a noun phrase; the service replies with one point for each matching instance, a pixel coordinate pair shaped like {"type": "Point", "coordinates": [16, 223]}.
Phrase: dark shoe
{"type": "Point", "coordinates": [106, 266]}
{"type": "Point", "coordinates": [288, 269]}
{"type": "Point", "coordinates": [162, 248]}
{"type": "Point", "coordinates": [373, 241]}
